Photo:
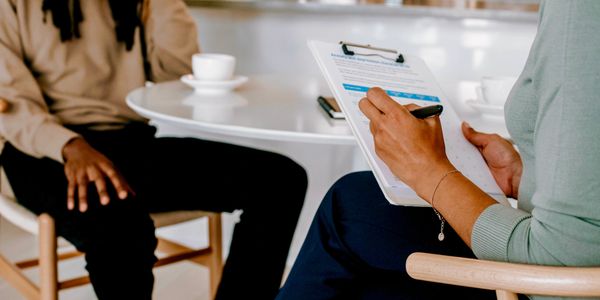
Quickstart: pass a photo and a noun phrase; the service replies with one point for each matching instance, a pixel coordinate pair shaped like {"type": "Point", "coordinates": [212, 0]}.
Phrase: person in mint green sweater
{"type": "Point", "coordinates": [358, 243]}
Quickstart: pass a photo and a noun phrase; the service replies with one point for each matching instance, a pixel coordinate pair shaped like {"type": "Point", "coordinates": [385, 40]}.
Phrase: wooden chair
{"type": "Point", "coordinates": [43, 226]}
{"type": "Point", "coordinates": [507, 279]}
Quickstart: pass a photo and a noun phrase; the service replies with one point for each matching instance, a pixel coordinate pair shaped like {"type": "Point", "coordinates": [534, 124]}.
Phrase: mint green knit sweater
{"type": "Point", "coordinates": [553, 115]}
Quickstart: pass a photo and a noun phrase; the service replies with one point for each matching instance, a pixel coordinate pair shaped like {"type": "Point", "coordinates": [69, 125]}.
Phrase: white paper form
{"type": "Point", "coordinates": [349, 77]}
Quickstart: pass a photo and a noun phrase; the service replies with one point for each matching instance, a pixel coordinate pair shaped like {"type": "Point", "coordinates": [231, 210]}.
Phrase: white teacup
{"type": "Point", "coordinates": [213, 66]}
{"type": "Point", "coordinates": [494, 90]}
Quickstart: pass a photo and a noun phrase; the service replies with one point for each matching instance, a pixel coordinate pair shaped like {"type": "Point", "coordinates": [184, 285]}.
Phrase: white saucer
{"type": "Point", "coordinates": [213, 86]}
{"type": "Point", "coordinates": [487, 109]}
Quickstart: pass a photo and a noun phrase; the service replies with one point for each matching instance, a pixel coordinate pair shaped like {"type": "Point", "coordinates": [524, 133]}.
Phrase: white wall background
{"type": "Point", "coordinates": [455, 48]}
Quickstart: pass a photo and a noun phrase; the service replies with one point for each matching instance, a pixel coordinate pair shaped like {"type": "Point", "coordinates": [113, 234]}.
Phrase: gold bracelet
{"type": "Point", "coordinates": [442, 220]}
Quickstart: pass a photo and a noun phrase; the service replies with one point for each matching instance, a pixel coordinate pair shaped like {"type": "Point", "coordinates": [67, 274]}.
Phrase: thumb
{"type": "Point", "coordinates": [478, 139]}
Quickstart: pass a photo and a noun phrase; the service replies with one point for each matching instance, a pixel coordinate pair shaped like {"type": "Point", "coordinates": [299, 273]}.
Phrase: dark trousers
{"type": "Point", "coordinates": [358, 244]}
{"type": "Point", "coordinates": [170, 174]}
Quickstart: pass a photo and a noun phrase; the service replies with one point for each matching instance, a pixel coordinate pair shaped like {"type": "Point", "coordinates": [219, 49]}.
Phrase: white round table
{"type": "Point", "coordinates": [274, 113]}
{"type": "Point", "coordinates": [267, 107]}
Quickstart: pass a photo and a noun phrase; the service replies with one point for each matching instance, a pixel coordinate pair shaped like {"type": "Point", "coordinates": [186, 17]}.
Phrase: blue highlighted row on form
{"type": "Point", "coordinates": [359, 88]}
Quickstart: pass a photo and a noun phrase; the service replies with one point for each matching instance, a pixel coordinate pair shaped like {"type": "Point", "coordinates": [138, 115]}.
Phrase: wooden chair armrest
{"type": "Point", "coordinates": [517, 278]}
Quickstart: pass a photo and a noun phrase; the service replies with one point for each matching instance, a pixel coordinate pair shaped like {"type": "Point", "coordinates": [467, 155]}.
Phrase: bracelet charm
{"type": "Point", "coordinates": [441, 235]}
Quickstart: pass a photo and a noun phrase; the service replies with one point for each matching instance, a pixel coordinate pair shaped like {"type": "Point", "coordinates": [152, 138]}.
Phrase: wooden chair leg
{"type": "Point", "coordinates": [216, 257]}
{"type": "Point", "coordinates": [15, 278]}
{"type": "Point", "coordinates": [506, 295]}
{"type": "Point", "coordinates": [48, 258]}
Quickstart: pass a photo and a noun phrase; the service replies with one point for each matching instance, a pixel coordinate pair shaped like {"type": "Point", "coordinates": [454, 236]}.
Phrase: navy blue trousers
{"type": "Point", "coordinates": [358, 244]}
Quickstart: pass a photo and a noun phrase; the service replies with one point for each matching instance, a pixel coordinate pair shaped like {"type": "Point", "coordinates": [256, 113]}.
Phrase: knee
{"type": "Point", "coordinates": [352, 192]}
{"type": "Point", "coordinates": [292, 173]}
{"type": "Point", "coordinates": [353, 180]}
{"type": "Point", "coordinates": [353, 187]}
{"type": "Point", "coordinates": [122, 225]}
{"type": "Point", "coordinates": [131, 218]}
{"type": "Point", "coordinates": [290, 182]}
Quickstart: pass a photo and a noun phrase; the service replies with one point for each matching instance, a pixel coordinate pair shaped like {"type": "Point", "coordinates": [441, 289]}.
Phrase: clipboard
{"type": "Point", "coordinates": [398, 57]}
{"type": "Point", "coordinates": [329, 104]}
{"type": "Point", "coordinates": [406, 80]}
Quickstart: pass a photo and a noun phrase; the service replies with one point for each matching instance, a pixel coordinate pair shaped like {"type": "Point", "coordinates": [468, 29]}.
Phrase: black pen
{"type": "Point", "coordinates": [427, 111]}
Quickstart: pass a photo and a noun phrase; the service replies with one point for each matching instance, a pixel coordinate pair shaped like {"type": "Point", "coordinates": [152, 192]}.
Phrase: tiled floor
{"type": "Point", "coordinates": [183, 280]}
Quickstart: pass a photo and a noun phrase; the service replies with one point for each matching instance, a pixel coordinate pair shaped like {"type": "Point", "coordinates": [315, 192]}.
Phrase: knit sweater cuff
{"type": "Point", "coordinates": [493, 229]}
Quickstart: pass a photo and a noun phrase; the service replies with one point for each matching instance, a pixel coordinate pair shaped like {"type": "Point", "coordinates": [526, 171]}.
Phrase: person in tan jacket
{"type": "Point", "coordinates": [75, 150]}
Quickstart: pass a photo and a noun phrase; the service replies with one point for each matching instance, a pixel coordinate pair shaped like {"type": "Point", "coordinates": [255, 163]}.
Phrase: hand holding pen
{"type": "Point", "coordinates": [409, 140]}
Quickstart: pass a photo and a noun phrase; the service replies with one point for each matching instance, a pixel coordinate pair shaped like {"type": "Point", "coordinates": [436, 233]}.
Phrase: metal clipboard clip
{"type": "Point", "coordinates": [398, 57]}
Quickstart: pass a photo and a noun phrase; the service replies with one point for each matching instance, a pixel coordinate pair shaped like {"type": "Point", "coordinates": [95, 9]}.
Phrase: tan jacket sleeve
{"type": "Point", "coordinates": [172, 39]}
{"type": "Point", "coordinates": [28, 124]}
